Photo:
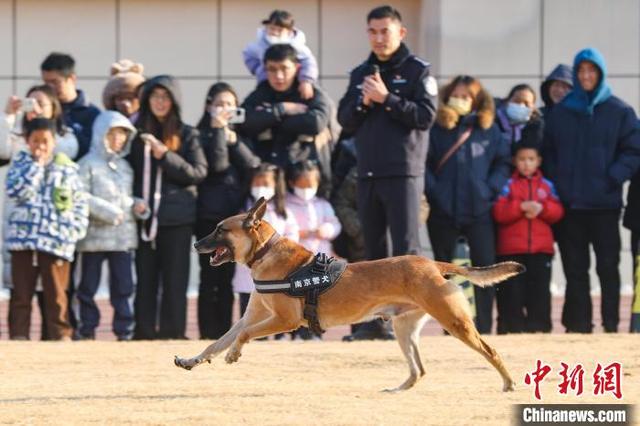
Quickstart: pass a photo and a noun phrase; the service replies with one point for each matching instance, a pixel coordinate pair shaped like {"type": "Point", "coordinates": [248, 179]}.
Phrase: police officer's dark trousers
{"type": "Point", "coordinates": [392, 202]}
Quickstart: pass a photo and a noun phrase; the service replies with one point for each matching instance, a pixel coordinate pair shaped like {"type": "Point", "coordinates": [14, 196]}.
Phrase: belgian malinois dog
{"type": "Point", "coordinates": [407, 289]}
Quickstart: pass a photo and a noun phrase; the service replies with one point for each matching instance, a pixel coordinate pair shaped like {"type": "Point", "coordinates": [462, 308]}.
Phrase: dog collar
{"type": "Point", "coordinates": [264, 249]}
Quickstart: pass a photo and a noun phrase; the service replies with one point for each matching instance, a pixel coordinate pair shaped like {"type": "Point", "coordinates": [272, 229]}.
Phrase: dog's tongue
{"type": "Point", "coordinates": [218, 253]}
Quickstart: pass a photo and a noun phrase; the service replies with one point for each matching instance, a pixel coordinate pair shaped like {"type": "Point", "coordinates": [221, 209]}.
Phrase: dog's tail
{"type": "Point", "coordinates": [484, 276]}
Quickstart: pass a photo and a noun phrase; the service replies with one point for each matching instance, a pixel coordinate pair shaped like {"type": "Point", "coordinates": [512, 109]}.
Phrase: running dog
{"type": "Point", "coordinates": [407, 289]}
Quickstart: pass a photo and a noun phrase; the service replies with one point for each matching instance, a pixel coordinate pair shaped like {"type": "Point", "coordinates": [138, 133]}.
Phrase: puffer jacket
{"type": "Point", "coordinates": [51, 212]}
{"type": "Point", "coordinates": [11, 143]}
{"type": "Point", "coordinates": [108, 179]}
{"type": "Point", "coordinates": [591, 143]}
{"type": "Point", "coordinates": [516, 233]}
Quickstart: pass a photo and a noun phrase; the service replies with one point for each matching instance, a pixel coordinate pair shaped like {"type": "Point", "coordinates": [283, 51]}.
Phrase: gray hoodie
{"type": "Point", "coordinates": [108, 178]}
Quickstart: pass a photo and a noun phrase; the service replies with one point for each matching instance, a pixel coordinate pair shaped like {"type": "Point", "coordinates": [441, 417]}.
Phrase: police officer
{"type": "Point", "coordinates": [389, 107]}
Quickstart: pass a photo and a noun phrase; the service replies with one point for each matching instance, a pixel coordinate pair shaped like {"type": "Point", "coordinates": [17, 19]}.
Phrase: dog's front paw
{"type": "Point", "coordinates": [232, 356]}
{"type": "Point", "coordinates": [187, 364]}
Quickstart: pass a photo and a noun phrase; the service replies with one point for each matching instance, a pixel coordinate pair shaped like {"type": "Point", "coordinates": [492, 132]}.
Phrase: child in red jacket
{"type": "Point", "coordinates": [524, 213]}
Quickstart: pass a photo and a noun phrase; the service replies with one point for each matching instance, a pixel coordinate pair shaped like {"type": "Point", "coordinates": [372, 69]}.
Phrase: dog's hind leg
{"type": "Point", "coordinates": [454, 316]}
{"type": "Point", "coordinates": [465, 330]}
{"type": "Point", "coordinates": [407, 327]}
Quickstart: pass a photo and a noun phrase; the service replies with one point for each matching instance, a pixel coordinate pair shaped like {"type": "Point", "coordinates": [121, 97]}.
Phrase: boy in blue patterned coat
{"type": "Point", "coordinates": [50, 216]}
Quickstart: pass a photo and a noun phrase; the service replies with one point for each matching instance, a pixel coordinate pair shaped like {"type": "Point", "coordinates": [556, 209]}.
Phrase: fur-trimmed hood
{"type": "Point", "coordinates": [484, 113]}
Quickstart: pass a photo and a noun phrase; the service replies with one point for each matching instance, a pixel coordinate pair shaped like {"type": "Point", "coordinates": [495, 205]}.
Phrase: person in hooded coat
{"type": "Point", "coordinates": [555, 87]}
{"type": "Point", "coordinates": [112, 234]}
{"type": "Point", "coordinates": [168, 164]}
{"type": "Point", "coordinates": [591, 147]}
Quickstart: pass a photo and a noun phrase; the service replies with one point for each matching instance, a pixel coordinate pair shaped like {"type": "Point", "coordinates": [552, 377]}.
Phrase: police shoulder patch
{"type": "Point", "coordinates": [421, 61]}
{"type": "Point", "coordinates": [431, 86]}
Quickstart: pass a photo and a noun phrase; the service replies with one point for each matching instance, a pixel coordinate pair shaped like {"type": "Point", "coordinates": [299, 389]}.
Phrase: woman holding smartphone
{"type": "Point", "coordinates": [220, 195]}
{"type": "Point", "coordinates": [168, 164]}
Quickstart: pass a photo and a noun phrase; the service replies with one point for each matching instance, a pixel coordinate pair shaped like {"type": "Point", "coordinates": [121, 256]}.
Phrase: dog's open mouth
{"type": "Point", "coordinates": [220, 255]}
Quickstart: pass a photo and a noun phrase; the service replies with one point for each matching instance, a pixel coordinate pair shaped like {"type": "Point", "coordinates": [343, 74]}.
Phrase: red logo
{"type": "Point", "coordinates": [605, 379]}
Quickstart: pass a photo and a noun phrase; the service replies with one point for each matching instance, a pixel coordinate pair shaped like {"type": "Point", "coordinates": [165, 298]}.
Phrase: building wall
{"type": "Point", "coordinates": [200, 41]}
{"type": "Point", "coordinates": [503, 42]}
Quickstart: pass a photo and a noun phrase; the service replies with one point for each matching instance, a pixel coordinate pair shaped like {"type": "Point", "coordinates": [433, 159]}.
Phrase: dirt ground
{"type": "Point", "coordinates": [277, 383]}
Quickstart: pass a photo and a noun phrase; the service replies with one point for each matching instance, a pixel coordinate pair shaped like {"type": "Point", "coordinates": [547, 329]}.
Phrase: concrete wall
{"type": "Point", "coordinates": [503, 42]}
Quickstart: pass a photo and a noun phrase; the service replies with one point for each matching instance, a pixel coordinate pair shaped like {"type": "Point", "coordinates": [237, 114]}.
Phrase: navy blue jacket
{"type": "Point", "coordinates": [471, 179]}
{"type": "Point", "coordinates": [79, 116]}
{"type": "Point", "coordinates": [592, 144]}
{"type": "Point", "coordinates": [391, 138]}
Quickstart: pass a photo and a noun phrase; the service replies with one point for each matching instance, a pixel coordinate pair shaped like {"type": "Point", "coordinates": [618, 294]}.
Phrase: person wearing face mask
{"type": "Point", "coordinates": [516, 112]}
{"type": "Point", "coordinates": [42, 103]}
{"type": "Point", "coordinates": [279, 28]}
{"type": "Point", "coordinates": [555, 87]}
{"type": "Point", "coordinates": [316, 219]}
{"type": "Point", "coordinates": [467, 166]}
{"type": "Point", "coordinates": [220, 195]}
{"type": "Point", "coordinates": [591, 148]}
{"type": "Point", "coordinates": [315, 216]}
{"type": "Point", "coordinates": [267, 181]}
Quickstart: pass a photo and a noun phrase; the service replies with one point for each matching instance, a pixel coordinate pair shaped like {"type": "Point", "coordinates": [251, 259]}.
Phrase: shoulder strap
{"type": "Point", "coordinates": [461, 140]}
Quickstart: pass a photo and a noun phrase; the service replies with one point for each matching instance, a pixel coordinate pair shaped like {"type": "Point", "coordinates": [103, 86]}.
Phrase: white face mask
{"type": "Point", "coordinates": [305, 193]}
{"type": "Point", "coordinates": [271, 39]}
{"type": "Point", "coordinates": [262, 191]}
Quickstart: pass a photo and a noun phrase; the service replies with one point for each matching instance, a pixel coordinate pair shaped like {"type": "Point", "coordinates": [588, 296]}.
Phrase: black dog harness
{"type": "Point", "coordinates": [309, 281]}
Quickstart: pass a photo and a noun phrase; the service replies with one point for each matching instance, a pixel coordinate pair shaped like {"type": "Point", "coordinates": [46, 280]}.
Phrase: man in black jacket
{"type": "Point", "coordinates": [283, 127]}
{"type": "Point", "coordinates": [389, 106]}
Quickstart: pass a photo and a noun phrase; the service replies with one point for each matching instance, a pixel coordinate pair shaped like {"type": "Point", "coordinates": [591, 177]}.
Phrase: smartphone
{"type": "Point", "coordinates": [28, 104]}
{"type": "Point", "coordinates": [238, 116]}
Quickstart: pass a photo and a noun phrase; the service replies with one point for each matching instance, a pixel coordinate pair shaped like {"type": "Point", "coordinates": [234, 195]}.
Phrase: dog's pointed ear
{"type": "Point", "coordinates": [255, 213]}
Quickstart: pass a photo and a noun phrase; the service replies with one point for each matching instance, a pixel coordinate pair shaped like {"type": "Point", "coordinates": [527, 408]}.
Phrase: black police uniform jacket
{"type": "Point", "coordinates": [391, 138]}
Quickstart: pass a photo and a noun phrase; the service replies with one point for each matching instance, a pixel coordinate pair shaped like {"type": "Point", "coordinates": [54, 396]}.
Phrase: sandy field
{"type": "Point", "coordinates": [276, 383]}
